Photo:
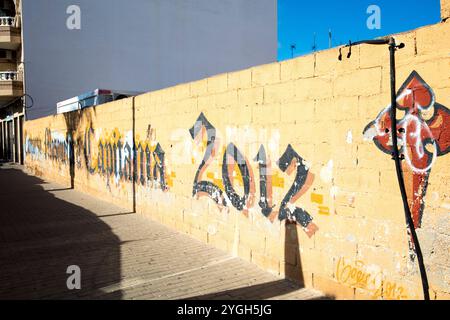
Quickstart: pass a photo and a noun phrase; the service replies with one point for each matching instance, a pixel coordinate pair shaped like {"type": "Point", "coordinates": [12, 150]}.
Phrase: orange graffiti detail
{"type": "Point", "coordinates": [358, 276]}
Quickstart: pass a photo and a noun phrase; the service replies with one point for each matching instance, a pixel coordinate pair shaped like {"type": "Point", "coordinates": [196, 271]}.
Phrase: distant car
{"type": "Point", "coordinates": [92, 98]}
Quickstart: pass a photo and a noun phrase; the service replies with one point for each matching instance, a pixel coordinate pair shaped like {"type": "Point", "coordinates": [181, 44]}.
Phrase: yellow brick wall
{"type": "Point", "coordinates": [356, 246]}
{"type": "Point", "coordinates": [445, 9]}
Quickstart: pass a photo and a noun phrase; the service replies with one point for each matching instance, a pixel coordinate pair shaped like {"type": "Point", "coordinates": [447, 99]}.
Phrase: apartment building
{"type": "Point", "coordinates": [11, 82]}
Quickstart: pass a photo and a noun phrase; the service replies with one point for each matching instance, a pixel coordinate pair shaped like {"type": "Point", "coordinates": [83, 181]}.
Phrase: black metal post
{"type": "Point", "coordinates": [398, 168]}
{"type": "Point", "coordinates": [396, 153]}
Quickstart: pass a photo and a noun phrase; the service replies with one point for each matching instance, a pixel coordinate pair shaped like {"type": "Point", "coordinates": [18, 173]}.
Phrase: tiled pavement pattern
{"type": "Point", "coordinates": [45, 228]}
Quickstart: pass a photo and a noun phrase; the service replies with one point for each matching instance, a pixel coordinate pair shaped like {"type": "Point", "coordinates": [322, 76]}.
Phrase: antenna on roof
{"type": "Point", "coordinates": [314, 46]}
{"type": "Point", "coordinates": [330, 41]}
{"type": "Point", "coordinates": [293, 47]}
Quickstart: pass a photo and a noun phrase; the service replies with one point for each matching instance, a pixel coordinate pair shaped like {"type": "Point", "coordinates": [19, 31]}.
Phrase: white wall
{"type": "Point", "coordinates": [140, 45]}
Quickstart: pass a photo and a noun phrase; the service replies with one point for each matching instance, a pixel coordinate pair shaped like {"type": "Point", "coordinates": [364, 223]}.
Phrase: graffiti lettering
{"type": "Point", "coordinates": [235, 162]}
{"type": "Point", "coordinates": [34, 147]}
{"type": "Point", "coordinates": [87, 150]}
{"type": "Point", "coordinates": [265, 183]}
{"type": "Point", "coordinates": [359, 276]}
{"type": "Point", "coordinates": [232, 157]}
{"type": "Point", "coordinates": [159, 169]}
{"type": "Point", "coordinates": [205, 187]}
{"type": "Point", "coordinates": [115, 157]}
{"type": "Point", "coordinates": [57, 146]}
{"type": "Point", "coordinates": [289, 161]}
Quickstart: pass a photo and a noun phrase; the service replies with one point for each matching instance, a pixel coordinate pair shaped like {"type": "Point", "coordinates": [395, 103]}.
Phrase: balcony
{"type": "Point", "coordinates": [7, 21]}
{"type": "Point", "coordinates": [11, 84]}
{"type": "Point", "coordinates": [10, 36]}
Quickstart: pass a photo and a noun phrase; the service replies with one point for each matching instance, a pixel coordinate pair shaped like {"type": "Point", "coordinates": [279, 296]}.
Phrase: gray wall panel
{"type": "Point", "coordinates": [140, 45]}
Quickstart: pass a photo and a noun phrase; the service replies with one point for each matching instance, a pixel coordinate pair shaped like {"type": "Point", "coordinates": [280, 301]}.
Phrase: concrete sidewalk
{"type": "Point", "coordinates": [45, 228]}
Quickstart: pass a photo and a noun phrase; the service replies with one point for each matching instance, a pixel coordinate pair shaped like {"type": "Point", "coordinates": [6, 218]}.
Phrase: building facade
{"type": "Point", "coordinates": [71, 47]}
{"type": "Point", "coordinates": [11, 82]}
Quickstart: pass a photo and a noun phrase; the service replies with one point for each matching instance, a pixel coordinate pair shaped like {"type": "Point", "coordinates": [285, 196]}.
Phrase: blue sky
{"type": "Point", "coordinates": [299, 19]}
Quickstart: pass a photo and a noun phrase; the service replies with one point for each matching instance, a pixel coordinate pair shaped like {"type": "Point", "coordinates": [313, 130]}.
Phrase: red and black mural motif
{"type": "Point", "coordinates": [423, 135]}
{"type": "Point", "coordinates": [233, 159]}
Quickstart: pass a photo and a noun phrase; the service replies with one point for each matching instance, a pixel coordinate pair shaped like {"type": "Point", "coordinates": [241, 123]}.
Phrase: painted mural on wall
{"type": "Point", "coordinates": [117, 157]}
{"type": "Point", "coordinates": [56, 146]}
{"type": "Point", "coordinates": [237, 167]}
{"type": "Point", "coordinates": [114, 156]}
{"type": "Point", "coordinates": [423, 134]}
{"type": "Point", "coordinates": [33, 148]}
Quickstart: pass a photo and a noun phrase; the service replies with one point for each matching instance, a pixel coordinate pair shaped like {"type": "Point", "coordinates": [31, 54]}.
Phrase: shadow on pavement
{"type": "Point", "coordinates": [256, 292]}
{"type": "Point", "coordinates": [41, 235]}
{"type": "Point", "coordinates": [284, 287]}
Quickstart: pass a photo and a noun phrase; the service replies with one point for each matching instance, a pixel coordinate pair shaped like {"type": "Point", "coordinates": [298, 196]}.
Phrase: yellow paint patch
{"type": "Point", "coordinates": [324, 210]}
{"type": "Point", "coordinates": [170, 178]}
{"type": "Point", "coordinates": [277, 181]}
{"type": "Point", "coordinates": [317, 198]}
{"type": "Point", "coordinates": [218, 182]}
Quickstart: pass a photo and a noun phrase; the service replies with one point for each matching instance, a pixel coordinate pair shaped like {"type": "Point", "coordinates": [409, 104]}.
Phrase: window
{"type": "Point", "coordinates": [8, 54]}
{"type": "Point", "coordinates": [7, 8]}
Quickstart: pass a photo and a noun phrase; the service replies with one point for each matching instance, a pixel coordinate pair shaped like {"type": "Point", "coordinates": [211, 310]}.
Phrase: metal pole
{"type": "Point", "coordinates": [398, 168]}
{"type": "Point", "coordinates": [396, 154]}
